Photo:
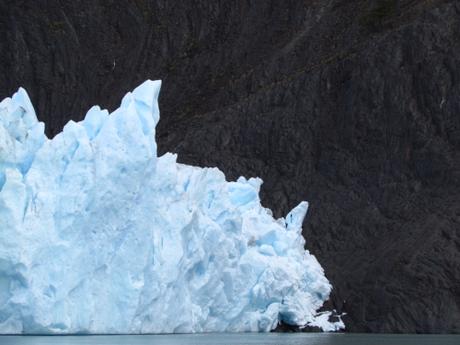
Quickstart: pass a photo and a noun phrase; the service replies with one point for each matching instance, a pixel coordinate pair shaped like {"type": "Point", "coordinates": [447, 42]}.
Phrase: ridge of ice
{"type": "Point", "coordinates": [99, 235]}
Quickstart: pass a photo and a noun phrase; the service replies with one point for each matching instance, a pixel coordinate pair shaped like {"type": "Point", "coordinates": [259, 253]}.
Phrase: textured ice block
{"type": "Point", "coordinates": [99, 235]}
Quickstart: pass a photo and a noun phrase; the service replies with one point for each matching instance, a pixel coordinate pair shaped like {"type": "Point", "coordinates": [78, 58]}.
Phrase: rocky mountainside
{"type": "Point", "coordinates": [352, 105]}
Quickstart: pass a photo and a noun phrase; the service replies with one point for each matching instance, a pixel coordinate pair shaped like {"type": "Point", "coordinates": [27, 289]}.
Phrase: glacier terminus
{"type": "Point", "coordinates": [100, 235]}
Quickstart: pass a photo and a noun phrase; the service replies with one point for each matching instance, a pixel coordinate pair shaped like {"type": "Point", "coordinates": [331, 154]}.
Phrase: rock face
{"type": "Point", "coordinates": [352, 105]}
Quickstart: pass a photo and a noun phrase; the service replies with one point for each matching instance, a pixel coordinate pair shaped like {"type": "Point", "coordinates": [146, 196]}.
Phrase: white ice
{"type": "Point", "coordinates": [100, 235]}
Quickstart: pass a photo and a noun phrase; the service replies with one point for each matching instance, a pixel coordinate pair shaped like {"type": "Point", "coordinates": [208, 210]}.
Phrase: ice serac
{"type": "Point", "coordinates": [100, 235]}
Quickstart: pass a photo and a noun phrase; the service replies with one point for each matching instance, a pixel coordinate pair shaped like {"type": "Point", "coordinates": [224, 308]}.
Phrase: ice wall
{"type": "Point", "coordinates": [99, 235]}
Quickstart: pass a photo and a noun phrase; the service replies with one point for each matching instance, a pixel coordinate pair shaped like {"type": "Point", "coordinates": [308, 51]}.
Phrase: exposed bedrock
{"type": "Point", "coordinates": [352, 105]}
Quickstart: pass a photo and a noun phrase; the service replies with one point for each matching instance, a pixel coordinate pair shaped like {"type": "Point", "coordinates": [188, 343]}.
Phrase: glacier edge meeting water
{"type": "Point", "coordinates": [100, 235]}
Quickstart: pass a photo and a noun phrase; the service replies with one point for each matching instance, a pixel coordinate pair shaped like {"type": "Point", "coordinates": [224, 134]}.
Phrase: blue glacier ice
{"type": "Point", "coordinates": [100, 235]}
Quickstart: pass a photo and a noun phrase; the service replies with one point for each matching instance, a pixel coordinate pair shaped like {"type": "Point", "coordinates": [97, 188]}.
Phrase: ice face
{"type": "Point", "coordinates": [99, 235]}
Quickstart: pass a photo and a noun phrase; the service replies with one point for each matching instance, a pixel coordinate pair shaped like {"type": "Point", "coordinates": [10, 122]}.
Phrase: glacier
{"type": "Point", "coordinates": [100, 235]}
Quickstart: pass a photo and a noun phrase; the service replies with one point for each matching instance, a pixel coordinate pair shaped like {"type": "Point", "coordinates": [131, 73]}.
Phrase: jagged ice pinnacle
{"type": "Point", "coordinates": [100, 235]}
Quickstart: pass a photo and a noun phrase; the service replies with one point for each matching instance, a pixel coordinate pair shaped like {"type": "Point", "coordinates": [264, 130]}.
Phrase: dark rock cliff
{"type": "Point", "coordinates": [351, 105]}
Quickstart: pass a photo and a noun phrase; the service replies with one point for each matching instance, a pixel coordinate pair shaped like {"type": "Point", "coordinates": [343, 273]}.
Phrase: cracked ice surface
{"type": "Point", "coordinates": [99, 235]}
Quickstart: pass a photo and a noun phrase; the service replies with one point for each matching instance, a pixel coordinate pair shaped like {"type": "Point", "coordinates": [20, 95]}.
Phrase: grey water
{"type": "Point", "coordinates": [237, 339]}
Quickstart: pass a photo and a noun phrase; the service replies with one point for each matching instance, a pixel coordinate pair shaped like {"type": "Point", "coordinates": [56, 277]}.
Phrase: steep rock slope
{"type": "Point", "coordinates": [352, 105]}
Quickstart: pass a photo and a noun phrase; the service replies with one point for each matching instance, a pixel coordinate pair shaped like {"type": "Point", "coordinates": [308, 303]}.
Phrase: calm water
{"type": "Point", "coordinates": [237, 339]}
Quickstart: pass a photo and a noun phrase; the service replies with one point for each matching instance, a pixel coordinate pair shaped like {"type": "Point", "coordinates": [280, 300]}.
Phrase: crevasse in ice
{"type": "Point", "coordinates": [100, 235]}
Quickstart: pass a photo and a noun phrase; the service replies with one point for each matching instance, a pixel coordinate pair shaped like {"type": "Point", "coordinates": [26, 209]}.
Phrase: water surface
{"type": "Point", "coordinates": [237, 339]}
